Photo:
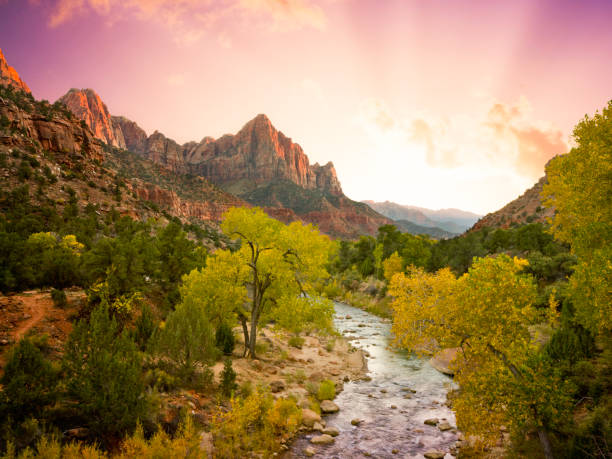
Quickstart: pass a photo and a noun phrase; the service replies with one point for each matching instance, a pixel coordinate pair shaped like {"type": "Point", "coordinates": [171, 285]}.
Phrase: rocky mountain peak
{"type": "Point", "coordinates": [87, 105]}
{"type": "Point", "coordinates": [10, 77]}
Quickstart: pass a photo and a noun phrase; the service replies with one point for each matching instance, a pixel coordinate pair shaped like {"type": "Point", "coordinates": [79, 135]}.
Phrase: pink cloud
{"type": "Point", "coordinates": [189, 18]}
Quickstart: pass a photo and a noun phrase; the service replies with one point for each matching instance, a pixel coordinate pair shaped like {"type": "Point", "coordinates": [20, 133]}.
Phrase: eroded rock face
{"type": "Point", "coordinates": [10, 77]}
{"type": "Point", "coordinates": [58, 135]}
{"type": "Point", "coordinates": [259, 154]}
{"type": "Point", "coordinates": [88, 106]}
{"type": "Point", "coordinates": [135, 137]}
{"type": "Point", "coordinates": [166, 199]}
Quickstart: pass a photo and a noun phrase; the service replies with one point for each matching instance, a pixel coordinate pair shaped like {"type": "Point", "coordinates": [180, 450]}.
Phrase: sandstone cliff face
{"type": "Point", "coordinates": [259, 154]}
{"type": "Point", "coordinates": [169, 200]}
{"type": "Point", "coordinates": [57, 134]}
{"type": "Point", "coordinates": [134, 136]}
{"type": "Point", "coordinates": [10, 77]}
{"type": "Point", "coordinates": [527, 208]}
{"type": "Point", "coordinates": [88, 106]}
{"type": "Point", "coordinates": [165, 151]}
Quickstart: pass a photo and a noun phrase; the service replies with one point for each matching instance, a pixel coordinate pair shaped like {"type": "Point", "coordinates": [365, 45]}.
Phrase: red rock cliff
{"type": "Point", "coordinates": [10, 77]}
{"type": "Point", "coordinates": [88, 106]}
{"type": "Point", "coordinates": [259, 154]}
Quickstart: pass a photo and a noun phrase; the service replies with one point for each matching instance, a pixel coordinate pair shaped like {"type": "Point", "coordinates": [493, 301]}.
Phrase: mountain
{"type": "Point", "coordinates": [527, 208]}
{"type": "Point", "coordinates": [406, 226]}
{"type": "Point", "coordinates": [259, 165]}
{"type": "Point", "coordinates": [450, 220]}
{"type": "Point", "coordinates": [10, 77]}
{"type": "Point", "coordinates": [60, 158]}
{"type": "Point", "coordinates": [88, 106]}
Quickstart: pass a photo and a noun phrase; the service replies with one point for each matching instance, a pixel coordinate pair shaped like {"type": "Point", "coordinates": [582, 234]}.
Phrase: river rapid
{"type": "Point", "coordinates": [402, 393]}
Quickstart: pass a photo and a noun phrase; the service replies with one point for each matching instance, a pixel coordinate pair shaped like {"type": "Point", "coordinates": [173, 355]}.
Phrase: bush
{"type": "Point", "coordinates": [144, 328]}
{"type": "Point", "coordinates": [103, 371]}
{"type": "Point", "coordinates": [185, 343]}
{"type": "Point", "coordinates": [327, 390]}
{"type": "Point", "coordinates": [255, 426]}
{"type": "Point", "coordinates": [224, 338]}
{"type": "Point", "coordinates": [29, 382]}
{"type": "Point", "coordinates": [296, 341]}
{"type": "Point", "coordinates": [59, 298]}
{"type": "Point", "coordinates": [228, 379]}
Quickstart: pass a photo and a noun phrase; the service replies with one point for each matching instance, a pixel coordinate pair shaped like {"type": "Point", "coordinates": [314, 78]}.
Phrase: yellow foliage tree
{"type": "Point", "coordinates": [486, 313]}
{"type": "Point", "coordinates": [392, 265]}
{"type": "Point", "coordinates": [275, 262]}
{"type": "Point", "coordinates": [580, 188]}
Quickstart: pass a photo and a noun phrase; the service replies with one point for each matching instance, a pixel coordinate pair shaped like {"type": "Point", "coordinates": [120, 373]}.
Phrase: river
{"type": "Point", "coordinates": [402, 393]}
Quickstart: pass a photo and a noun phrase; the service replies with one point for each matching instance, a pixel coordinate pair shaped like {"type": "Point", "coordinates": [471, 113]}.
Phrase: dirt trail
{"type": "Point", "coordinates": [37, 306]}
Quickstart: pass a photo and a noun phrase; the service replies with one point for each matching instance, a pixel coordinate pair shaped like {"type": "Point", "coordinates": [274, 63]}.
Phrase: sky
{"type": "Point", "coordinates": [423, 102]}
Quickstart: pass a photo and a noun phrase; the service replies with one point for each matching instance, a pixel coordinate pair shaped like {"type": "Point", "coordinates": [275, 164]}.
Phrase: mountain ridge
{"type": "Point", "coordinates": [257, 164]}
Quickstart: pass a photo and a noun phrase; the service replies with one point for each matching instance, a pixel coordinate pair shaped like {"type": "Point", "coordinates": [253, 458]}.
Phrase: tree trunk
{"type": "Point", "coordinates": [545, 441]}
{"type": "Point", "coordinates": [252, 340]}
{"type": "Point", "coordinates": [245, 331]}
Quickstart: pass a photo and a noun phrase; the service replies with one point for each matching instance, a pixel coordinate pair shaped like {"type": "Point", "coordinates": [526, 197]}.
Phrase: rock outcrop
{"type": "Point", "coordinates": [55, 134]}
{"type": "Point", "coordinates": [184, 208]}
{"type": "Point", "coordinates": [134, 136]}
{"type": "Point", "coordinates": [10, 77]}
{"type": "Point", "coordinates": [88, 106]}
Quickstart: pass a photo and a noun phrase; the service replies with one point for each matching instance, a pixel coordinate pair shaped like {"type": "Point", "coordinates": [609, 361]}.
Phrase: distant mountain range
{"type": "Point", "coordinates": [451, 221]}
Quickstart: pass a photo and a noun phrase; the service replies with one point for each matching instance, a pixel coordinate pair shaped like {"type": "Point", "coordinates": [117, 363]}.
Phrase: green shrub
{"type": "Point", "coordinates": [103, 372]}
{"type": "Point", "coordinates": [327, 390]}
{"type": "Point", "coordinates": [296, 341]}
{"type": "Point", "coordinates": [224, 338]}
{"type": "Point", "coordinates": [59, 298]}
{"type": "Point", "coordinates": [29, 382]}
{"type": "Point", "coordinates": [185, 343]}
{"type": "Point", "coordinates": [144, 327]}
{"type": "Point", "coordinates": [228, 379]}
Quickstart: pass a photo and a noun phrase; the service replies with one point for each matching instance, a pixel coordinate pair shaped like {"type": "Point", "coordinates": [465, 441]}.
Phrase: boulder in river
{"type": "Point", "coordinates": [323, 439]}
{"type": "Point", "coordinates": [444, 426]}
{"type": "Point", "coordinates": [431, 422]}
{"type": "Point", "coordinates": [310, 451]}
{"type": "Point", "coordinates": [443, 360]}
{"type": "Point", "coordinates": [327, 406]}
{"type": "Point", "coordinates": [333, 431]}
{"type": "Point", "coordinates": [356, 421]}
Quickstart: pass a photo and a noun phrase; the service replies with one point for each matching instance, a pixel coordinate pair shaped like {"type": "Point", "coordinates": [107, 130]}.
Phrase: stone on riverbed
{"type": "Point", "coordinates": [323, 439]}
{"type": "Point", "coordinates": [444, 426]}
{"type": "Point", "coordinates": [334, 432]}
{"type": "Point", "coordinates": [309, 417]}
{"type": "Point", "coordinates": [356, 421]}
{"type": "Point", "coordinates": [327, 406]}
{"type": "Point", "coordinates": [435, 454]}
{"type": "Point", "coordinates": [317, 426]}
{"type": "Point", "coordinates": [310, 451]}
{"type": "Point", "coordinates": [431, 422]}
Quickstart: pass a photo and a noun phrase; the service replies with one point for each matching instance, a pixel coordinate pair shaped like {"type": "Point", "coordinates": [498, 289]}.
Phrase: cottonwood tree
{"type": "Point", "coordinates": [274, 261]}
{"type": "Point", "coordinates": [579, 187]}
{"type": "Point", "coordinates": [503, 375]}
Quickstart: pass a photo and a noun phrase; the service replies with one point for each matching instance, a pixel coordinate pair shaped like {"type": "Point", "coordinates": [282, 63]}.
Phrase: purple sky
{"type": "Point", "coordinates": [431, 103]}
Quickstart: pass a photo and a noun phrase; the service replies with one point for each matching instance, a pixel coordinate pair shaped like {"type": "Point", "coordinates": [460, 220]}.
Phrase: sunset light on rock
{"type": "Point", "coordinates": [305, 228]}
